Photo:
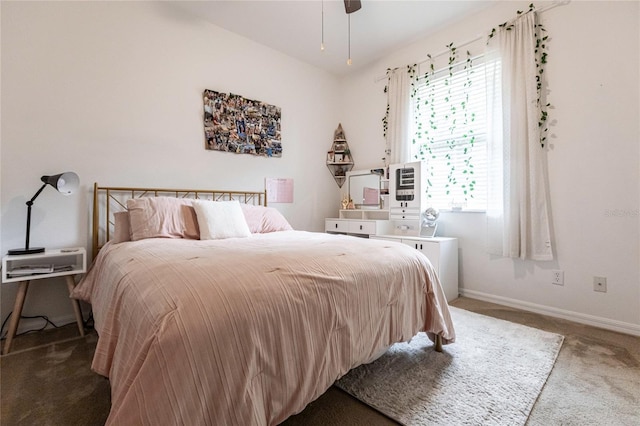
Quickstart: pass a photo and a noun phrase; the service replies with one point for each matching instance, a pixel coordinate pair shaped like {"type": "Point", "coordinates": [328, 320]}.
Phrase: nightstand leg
{"type": "Point", "coordinates": [76, 305]}
{"type": "Point", "coordinates": [15, 315]}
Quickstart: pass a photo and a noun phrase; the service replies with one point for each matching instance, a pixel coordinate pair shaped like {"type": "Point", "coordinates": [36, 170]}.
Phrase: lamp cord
{"type": "Point", "coordinates": [87, 324]}
{"type": "Point", "coordinates": [44, 317]}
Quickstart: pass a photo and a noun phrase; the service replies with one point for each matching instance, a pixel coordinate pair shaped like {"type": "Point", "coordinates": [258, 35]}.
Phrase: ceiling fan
{"type": "Point", "coordinates": [351, 6]}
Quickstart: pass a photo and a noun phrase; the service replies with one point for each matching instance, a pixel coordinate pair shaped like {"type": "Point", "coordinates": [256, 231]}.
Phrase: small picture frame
{"type": "Point", "coordinates": [331, 157]}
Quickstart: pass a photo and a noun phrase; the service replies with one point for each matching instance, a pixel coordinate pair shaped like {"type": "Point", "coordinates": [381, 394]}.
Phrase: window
{"type": "Point", "coordinates": [449, 108]}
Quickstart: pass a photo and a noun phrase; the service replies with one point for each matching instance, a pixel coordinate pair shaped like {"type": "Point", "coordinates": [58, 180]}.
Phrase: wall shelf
{"type": "Point", "coordinates": [339, 158]}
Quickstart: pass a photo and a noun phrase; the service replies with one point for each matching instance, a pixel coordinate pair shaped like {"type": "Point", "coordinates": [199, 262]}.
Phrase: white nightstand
{"type": "Point", "coordinates": [25, 268]}
{"type": "Point", "coordinates": [442, 252]}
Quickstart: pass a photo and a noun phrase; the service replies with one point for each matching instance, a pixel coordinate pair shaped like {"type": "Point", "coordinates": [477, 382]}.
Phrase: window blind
{"type": "Point", "coordinates": [449, 108]}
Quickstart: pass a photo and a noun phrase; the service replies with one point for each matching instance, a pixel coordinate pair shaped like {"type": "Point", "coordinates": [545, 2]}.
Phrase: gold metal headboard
{"type": "Point", "coordinates": [108, 200]}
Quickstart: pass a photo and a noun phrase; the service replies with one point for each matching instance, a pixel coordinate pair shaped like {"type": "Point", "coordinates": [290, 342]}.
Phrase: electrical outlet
{"type": "Point", "coordinates": [600, 284]}
{"type": "Point", "coordinates": [557, 277]}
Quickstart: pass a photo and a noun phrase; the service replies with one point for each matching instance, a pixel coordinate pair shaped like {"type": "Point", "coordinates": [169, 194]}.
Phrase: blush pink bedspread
{"type": "Point", "coordinates": [249, 331]}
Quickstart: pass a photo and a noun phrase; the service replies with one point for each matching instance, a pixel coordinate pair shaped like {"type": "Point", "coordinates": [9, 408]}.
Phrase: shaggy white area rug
{"type": "Point", "coordinates": [491, 375]}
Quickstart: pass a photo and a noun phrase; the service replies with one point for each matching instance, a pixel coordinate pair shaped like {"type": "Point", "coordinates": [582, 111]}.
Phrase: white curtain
{"type": "Point", "coordinates": [518, 210]}
{"type": "Point", "coordinates": [399, 116]}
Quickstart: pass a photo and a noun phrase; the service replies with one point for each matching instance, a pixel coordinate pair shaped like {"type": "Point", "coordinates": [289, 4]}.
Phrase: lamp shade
{"type": "Point", "coordinates": [66, 183]}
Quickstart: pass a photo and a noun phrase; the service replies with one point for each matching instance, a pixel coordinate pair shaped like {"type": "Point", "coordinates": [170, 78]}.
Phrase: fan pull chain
{"type": "Point", "coordinates": [349, 59]}
{"type": "Point", "coordinates": [322, 42]}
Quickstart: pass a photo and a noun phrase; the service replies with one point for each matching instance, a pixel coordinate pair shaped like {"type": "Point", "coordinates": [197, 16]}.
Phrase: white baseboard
{"type": "Point", "coordinates": [608, 324]}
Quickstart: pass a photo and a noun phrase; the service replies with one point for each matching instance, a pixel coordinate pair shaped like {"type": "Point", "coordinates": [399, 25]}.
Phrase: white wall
{"type": "Point", "coordinates": [593, 77]}
{"type": "Point", "coordinates": [113, 91]}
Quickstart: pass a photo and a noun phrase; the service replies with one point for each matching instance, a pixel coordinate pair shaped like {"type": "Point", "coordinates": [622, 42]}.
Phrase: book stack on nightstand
{"type": "Point", "coordinates": [25, 268]}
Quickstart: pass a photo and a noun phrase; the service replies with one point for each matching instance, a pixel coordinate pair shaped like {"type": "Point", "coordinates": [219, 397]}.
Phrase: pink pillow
{"type": "Point", "coordinates": [121, 229]}
{"type": "Point", "coordinates": [262, 220]}
{"type": "Point", "coordinates": [162, 217]}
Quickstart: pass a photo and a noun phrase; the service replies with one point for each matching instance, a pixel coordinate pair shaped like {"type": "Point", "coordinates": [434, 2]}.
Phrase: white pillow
{"type": "Point", "coordinates": [220, 219]}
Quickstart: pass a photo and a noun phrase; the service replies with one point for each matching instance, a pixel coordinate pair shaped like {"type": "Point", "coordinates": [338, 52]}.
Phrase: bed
{"type": "Point", "coordinates": [241, 330]}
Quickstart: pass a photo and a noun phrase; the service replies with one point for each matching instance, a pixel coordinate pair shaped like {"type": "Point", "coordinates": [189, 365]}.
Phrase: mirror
{"type": "Point", "coordinates": [364, 188]}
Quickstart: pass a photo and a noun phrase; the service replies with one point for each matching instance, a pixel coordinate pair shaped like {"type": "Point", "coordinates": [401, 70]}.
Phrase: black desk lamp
{"type": "Point", "coordinates": [66, 183]}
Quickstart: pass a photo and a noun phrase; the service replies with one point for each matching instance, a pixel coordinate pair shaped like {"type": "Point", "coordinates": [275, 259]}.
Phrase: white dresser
{"type": "Point", "coordinates": [360, 223]}
{"type": "Point", "coordinates": [400, 221]}
{"type": "Point", "coordinates": [442, 253]}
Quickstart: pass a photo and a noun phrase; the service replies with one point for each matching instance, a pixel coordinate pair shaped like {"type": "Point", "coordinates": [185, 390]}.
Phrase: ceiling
{"type": "Point", "coordinates": [295, 27]}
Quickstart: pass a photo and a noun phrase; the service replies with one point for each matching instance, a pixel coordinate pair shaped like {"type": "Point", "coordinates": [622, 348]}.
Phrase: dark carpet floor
{"type": "Point", "coordinates": [47, 380]}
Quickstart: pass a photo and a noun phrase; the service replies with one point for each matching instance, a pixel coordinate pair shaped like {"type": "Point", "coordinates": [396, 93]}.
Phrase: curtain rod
{"type": "Point", "coordinates": [473, 40]}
